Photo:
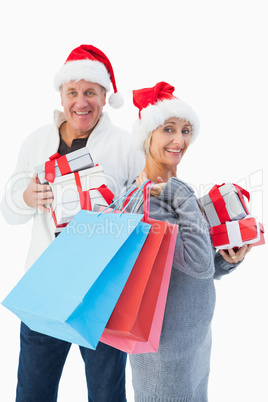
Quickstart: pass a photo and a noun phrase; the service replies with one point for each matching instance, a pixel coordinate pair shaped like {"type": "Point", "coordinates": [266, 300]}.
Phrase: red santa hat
{"type": "Point", "coordinates": [156, 105]}
{"type": "Point", "coordinates": [88, 63]}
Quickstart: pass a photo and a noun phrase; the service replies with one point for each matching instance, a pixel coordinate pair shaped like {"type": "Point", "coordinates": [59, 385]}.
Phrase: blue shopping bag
{"type": "Point", "coordinates": [71, 290]}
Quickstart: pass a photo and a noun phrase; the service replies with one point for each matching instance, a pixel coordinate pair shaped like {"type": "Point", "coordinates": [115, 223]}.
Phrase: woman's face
{"type": "Point", "coordinates": [170, 141]}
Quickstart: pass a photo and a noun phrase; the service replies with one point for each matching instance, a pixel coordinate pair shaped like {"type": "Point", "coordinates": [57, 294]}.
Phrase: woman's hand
{"type": "Point", "coordinates": [234, 257]}
{"type": "Point", "coordinates": [38, 195]}
{"type": "Point", "coordinates": [156, 188]}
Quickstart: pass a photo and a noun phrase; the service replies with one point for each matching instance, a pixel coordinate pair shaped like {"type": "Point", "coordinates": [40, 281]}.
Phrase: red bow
{"type": "Point", "coordinates": [219, 203]}
{"type": "Point", "coordinates": [84, 196]}
{"type": "Point", "coordinates": [63, 165]}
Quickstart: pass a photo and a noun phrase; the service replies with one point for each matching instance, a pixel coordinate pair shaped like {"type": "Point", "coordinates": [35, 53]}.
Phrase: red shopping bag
{"type": "Point", "coordinates": [136, 321]}
{"type": "Point", "coordinates": [155, 295]}
{"type": "Point", "coordinates": [128, 318]}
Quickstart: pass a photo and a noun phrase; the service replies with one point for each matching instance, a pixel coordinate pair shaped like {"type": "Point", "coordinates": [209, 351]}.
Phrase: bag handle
{"type": "Point", "coordinates": [146, 205]}
{"type": "Point", "coordinates": [139, 191]}
{"type": "Point", "coordinates": [118, 201]}
{"type": "Point", "coordinates": [126, 200]}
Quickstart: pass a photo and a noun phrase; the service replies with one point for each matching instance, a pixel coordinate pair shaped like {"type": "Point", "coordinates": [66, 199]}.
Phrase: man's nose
{"type": "Point", "coordinates": [81, 101]}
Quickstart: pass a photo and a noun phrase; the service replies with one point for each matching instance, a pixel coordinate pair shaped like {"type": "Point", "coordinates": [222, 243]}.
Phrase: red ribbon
{"type": "Point", "coordinates": [62, 225]}
{"type": "Point", "coordinates": [63, 165]}
{"type": "Point", "coordinates": [219, 203]}
{"type": "Point", "coordinates": [247, 228]}
{"type": "Point", "coordinates": [84, 196]}
{"type": "Point", "coordinates": [241, 191]}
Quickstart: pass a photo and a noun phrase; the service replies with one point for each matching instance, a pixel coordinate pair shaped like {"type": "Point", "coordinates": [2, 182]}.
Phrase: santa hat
{"type": "Point", "coordinates": [156, 105]}
{"type": "Point", "coordinates": [88, 63]}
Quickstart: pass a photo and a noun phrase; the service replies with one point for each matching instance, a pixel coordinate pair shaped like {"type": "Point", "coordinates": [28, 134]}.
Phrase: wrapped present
{"type": "Point", "coordinates": [224, 203]}
{"type": "Point", "coordinates": [61, 165]}
{"type": "Point", "coordinates": [237, 233]}
{"type": "Point", "coordinates": [78, 191]}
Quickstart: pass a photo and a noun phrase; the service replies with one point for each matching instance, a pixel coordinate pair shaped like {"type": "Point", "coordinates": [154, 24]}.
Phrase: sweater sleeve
{"type": "Point", "coordinates": [193, 252]}
{"type": "Point", "coordinates": [13, 207]}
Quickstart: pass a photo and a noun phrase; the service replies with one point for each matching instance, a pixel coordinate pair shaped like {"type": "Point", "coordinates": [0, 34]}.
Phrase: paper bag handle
{"type": "Point", "coordinates": [126, 199]}
{"type": "Point", "coordinates": [146, 205]}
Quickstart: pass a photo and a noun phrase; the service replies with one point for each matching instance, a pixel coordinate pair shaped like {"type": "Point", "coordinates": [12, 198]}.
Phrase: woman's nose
{"type": "Point", "coordinates": [178, 139]}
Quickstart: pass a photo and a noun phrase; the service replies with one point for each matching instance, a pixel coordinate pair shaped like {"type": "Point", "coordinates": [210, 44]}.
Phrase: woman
{"type": "Point", "coordinates": [179, 371]}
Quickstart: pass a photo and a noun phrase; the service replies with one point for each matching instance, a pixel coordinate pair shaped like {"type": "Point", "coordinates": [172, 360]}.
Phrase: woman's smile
{"type": "Point", "coordinates": [174, 150]}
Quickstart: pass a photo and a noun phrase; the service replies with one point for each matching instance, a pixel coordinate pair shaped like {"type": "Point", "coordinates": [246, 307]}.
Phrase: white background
{"type": "Point", "coordinates": [215, 54]}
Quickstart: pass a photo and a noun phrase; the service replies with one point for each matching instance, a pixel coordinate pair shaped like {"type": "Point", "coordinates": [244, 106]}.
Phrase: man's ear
{"type": "Point", "coordinates": [104, 97]}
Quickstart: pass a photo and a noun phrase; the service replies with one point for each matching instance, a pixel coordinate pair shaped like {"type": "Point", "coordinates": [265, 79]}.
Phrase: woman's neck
{"type": "Point", "coordinates": [154, 170]}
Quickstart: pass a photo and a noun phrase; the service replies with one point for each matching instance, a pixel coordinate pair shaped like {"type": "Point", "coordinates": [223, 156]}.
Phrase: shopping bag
{"type": "Point", "coordinates": [128, 319]}
{"type": "Point", "coordinates": [71, 290]}
{"type": "Point", "coordinates": [136, 322]}
{"type": "Point", "coordinates": [157, 284]}
{"type": "Point", "coordinates": [156, 328]}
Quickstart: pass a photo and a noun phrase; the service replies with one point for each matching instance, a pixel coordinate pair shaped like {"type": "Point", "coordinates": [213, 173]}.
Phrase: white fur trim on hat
{"type": "Point", "coordinates": [155, 115]}
{"type": "Point", "coordinates": [88, 70]}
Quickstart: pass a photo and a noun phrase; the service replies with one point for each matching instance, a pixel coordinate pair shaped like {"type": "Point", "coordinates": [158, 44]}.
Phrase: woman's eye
{"type": "Point", "coordinates": [167, 130]}
{"type": "Point", "coordinates": [186, 131]}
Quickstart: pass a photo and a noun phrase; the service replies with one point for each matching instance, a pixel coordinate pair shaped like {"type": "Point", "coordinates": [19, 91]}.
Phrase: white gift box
{"type": "Point", "coordinates": [234, 201]}
{"type": "Point", "coordinates": [66, 203]}
{"type": "Point", "coordinates": [78, 160]}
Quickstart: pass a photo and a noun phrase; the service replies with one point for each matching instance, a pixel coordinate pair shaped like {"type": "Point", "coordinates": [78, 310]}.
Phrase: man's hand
{"type": "Point", "coordinates": [234, 257]}
{"type": "Point", "coordinates": [156, 188]}
{"type": "Point", "coordinates": [38, 195]}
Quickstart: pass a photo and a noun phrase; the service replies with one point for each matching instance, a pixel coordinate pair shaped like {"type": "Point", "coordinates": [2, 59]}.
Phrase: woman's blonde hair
{"type": "Point", "coordinates": [147, 143]}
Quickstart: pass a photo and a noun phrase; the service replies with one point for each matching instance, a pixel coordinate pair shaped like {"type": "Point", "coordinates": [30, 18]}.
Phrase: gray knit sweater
{"type": "Point", "coordinates": [179, 371]}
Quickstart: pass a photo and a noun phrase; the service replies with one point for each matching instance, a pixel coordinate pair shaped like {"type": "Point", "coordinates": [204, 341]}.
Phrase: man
{"type": "Point", "coordinates": [83, 82]}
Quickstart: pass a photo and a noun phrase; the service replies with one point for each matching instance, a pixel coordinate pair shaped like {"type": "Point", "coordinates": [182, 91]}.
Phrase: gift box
{"type": "Point", "coordinates": [225, 203]}
{"type": "Point", "coordinates": [61, 165]}
{"type": "Point", "coordinates": [237, 233]}
{"type": "Point", "coordinates": [76, 191]}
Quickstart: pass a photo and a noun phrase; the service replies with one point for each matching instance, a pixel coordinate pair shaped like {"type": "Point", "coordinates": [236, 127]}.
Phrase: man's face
{"type": "Point", "coordinates": [83, 102]}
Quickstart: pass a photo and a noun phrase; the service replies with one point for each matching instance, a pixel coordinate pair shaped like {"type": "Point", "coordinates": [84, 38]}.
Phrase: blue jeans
{"type": "Point", "coordinates": [41, 363]}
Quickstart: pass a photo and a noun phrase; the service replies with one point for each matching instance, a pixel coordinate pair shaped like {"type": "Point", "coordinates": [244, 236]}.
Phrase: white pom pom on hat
{"type": "Point", "coordinates": [89, 63]}
{"type": "Point", "coordinates": [156, 105]}
{"type": "Point", "coordinates": [116, 100]}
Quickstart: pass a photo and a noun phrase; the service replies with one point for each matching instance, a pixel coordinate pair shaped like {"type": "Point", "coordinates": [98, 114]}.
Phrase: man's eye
{"type": "Point", "coordinates": [90, 93]}
{"type": "Point", "coordinates": [72, 93]}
